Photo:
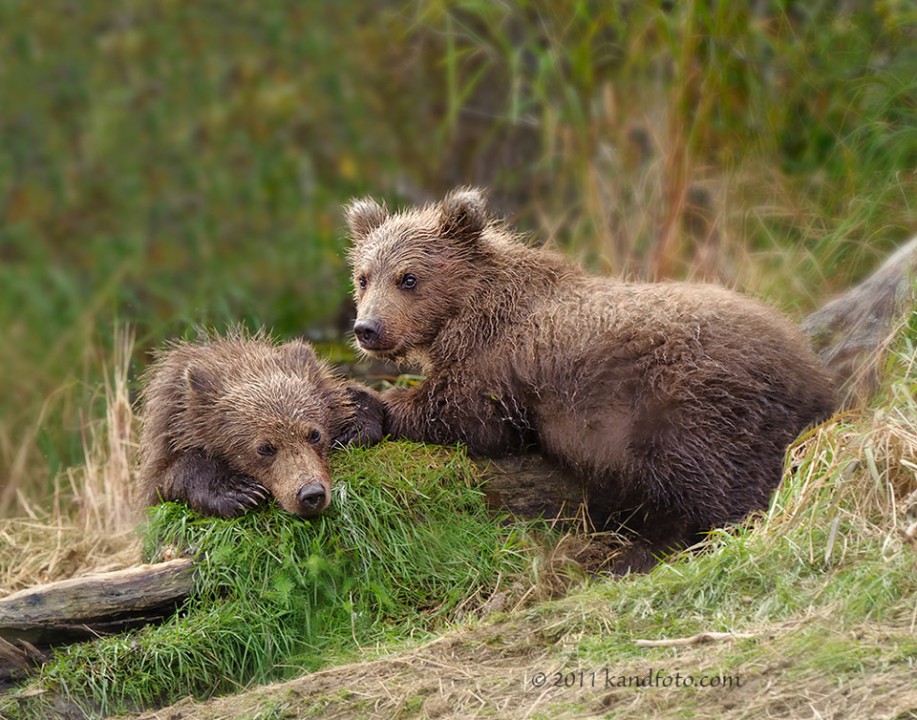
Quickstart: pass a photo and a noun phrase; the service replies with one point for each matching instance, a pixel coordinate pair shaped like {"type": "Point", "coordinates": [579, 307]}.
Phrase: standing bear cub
{"type": "Point", "coordinates": [231, 420]}
{"type": "Point", "coordinates": [673, 402]}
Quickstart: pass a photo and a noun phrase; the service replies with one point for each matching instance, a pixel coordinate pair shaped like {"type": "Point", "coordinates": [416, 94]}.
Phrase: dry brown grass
{"type": "Point", "coordinates": [89, 525]}
{"type": "Point", "coordinates": [861, 463]}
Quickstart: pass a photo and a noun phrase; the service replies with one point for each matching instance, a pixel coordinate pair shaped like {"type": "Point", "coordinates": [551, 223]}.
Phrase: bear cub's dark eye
{"type": "Point", "coordinates": [361, 281]}
{"type": "Point", "coordinates": [266, 450]}
{"type": "Point", "coordinates": [408, 282]}
{"type": "Point", "coordinates": [314, 437]}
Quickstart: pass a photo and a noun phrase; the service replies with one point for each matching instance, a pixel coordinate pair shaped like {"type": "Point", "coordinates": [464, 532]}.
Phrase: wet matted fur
{"type": "Point", "coordinates": [231, 419]}
{"type": "Point", "coordinates": [675, 402]}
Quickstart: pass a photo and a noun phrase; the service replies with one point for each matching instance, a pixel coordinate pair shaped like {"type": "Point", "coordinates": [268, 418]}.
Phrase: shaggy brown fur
{"type": "Point", "coordinates": [230, 420]}
{"type": "Point", "coordinates": [675, 402]}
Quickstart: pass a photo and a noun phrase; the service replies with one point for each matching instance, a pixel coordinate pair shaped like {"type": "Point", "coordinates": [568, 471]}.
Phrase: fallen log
{"type": "Point", "coordinates": [79, 608]}
{"type": "Point", "coordinates": [850, 333]}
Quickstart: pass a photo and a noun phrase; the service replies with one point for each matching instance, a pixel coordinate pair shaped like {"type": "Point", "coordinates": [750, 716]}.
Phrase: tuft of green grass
{"type": "Point", "coordinates": [408, 546]}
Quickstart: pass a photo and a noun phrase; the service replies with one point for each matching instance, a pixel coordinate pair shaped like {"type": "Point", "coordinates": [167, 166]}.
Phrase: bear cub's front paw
{"type": "Point", "coordinates": [365, 427]}
{"type": "Point", "coordinates": [212, 487]}
{"type": "Point", "coordinates": [240, 494]}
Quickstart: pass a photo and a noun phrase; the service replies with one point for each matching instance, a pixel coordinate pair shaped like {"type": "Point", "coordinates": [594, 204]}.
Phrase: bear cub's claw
{"type": "Point", "coordinates": [237, 495]}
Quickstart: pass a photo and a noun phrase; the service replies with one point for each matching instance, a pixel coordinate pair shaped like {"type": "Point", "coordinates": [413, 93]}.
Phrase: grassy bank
{"type": "Point", "coordinates": [408, 549]}
{"type": "Point", "coordinates": [815, 600]}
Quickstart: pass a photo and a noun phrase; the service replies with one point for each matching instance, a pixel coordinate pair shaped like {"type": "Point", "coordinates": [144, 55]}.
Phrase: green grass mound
{"type": "Point", "coordinates": [409, 546]}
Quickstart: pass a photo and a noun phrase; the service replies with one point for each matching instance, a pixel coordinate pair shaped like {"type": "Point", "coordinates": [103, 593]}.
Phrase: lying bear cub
{"type": "Point", "coordinates": [674, 402]}
{"type": "Point", "coordinates": [228, 421]}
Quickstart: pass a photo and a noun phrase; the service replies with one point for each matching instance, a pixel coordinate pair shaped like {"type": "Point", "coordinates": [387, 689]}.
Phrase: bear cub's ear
{"type": "Point", "coordinates": [299, 355]}
{"type": "Point", "coordinates": [363, 216]}
{"type": "Point", "coordinates": [202, 382]}
{"type": "Point", "coordinates": [463, 214]}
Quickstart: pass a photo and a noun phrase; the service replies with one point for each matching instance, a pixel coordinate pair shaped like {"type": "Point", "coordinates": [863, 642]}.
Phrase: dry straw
{"type": "Point", "coordinates": [91, 519]}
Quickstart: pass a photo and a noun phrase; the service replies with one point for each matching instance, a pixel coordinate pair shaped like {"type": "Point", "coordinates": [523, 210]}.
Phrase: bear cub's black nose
{"type": "Point", "coordinates": [367, 331]}
{"type": "Point", "coordinates": [311, 498]}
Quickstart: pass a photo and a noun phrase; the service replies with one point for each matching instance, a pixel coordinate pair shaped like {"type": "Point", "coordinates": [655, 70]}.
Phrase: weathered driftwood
{"type": "Point", "coordinates": [78, 608]}
{"type": "Point", "coordinates": [850, 332]}
{"type": "Point", "coordinates": [17, 660]}
{"type": "Point", "coordinates": [530, 486]}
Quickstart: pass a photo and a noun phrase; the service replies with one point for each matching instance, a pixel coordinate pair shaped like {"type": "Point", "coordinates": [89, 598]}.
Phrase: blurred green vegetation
{"type": "Point", "coordinates": [167, 163]}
